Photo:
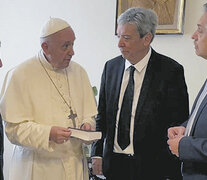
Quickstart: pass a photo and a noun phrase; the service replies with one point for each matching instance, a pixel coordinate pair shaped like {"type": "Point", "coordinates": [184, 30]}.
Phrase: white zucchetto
{"type": "Point", "coordinates": [52, 26]}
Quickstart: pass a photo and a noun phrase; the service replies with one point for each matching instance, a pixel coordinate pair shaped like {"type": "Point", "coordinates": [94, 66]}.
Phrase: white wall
{"type": "Point", "coordinates": [94, 24]}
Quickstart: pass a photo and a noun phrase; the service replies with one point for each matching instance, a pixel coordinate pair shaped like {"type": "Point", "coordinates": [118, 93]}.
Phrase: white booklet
{"type": "Point", "coordinates": [85, 135]}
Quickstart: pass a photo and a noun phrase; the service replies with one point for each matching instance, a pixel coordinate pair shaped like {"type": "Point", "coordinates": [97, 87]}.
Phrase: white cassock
{"type": "Point", "coordinates": [31, 105]}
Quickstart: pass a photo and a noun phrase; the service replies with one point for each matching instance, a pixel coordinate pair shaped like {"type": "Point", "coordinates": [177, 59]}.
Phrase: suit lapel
{"type": "Point", "coordinates": [195, 102]}
{"type": "Point", "coordinates": [203, 104]}
{"type": "Point", "coordinates": [118, 70]}
{"type": "Point", "coordinates": [145, 86]}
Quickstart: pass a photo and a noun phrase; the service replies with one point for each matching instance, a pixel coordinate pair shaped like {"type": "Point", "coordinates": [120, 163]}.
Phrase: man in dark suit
{"type": "Point", "coordinates": [1, 143]}
{"type": "Point", "coordinates": [189, 141]}
{"type": "Point", "coordinates": [160, 100]}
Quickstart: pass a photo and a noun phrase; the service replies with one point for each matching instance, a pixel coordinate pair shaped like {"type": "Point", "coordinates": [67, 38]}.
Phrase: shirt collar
{"type": "Point", "coordinates": [141, 64]}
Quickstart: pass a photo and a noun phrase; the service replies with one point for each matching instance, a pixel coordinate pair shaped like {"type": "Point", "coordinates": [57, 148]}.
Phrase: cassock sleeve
{"type": "Point", "coordinates": [29, 134]}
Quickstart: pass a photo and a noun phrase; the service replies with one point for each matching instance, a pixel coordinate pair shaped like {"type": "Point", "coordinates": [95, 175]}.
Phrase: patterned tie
{"type": "Point", "coordinates": [125, 114]}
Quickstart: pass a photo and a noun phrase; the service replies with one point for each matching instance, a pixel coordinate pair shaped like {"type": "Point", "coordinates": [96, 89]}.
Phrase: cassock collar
{"type": "Point", "coordinates": [46, 64]}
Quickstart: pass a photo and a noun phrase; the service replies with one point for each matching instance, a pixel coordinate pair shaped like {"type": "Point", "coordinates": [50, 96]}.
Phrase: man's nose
{"type": "Point", "coordinates": [121, 42]}
{"type": "Point", "coordinates": [71, 51]}
{"type": "Point", "coordinates": [194, 36]}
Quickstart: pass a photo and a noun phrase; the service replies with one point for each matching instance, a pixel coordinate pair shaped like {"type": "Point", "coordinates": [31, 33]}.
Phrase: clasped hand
{"type": "Point", "coordinates": [175, 134]}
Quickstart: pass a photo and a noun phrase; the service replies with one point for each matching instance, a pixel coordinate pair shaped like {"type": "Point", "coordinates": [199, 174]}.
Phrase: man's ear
{"type": "Point", "coordinates": [148, 39]}
{"type": "Point", "coordinates": [44, 46]}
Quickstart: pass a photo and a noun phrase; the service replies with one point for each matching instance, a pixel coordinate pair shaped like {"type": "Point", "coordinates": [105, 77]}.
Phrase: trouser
{"type": "Point", "coordinates": [126, 167]}
{"type": "Point", "coordinates": [123, 167]}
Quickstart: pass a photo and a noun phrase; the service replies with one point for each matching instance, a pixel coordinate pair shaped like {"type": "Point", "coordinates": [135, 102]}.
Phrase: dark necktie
{"type": "Point", "coordinates": [125, 113]}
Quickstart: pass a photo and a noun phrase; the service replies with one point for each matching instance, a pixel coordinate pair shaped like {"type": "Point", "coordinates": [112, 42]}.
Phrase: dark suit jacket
{"type": "Point", "coordinates": [1, 148]}
{"type": "Point", "coordinates": [163, 102]}
{"type": "Point", "coordinates": [193, 148]}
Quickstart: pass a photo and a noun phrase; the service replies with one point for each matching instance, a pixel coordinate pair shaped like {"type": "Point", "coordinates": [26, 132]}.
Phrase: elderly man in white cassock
{"type": "Point", "coordinates": [42, 97]}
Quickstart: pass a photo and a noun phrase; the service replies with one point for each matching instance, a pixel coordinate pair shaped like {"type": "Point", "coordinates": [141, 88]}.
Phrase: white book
{"type": "Point", "coordinates": [85, 135]}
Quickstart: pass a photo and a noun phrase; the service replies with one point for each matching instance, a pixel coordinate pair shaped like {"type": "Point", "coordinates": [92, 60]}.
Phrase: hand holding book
{"type": "Point", "coordinates": [85, 135]}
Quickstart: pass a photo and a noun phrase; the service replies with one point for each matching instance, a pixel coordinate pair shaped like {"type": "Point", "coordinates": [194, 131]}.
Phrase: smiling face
{"type": "Point", "coordinates": [200, 37]}
{"type": "Point", "coordinates": [132, 47]}
{"type": "Point", "coordinates": [58, 48]}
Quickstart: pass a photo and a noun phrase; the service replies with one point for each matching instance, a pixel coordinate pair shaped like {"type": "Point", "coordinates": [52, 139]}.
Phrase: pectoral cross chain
{"type": "Point", "coordinates": [72, 116]}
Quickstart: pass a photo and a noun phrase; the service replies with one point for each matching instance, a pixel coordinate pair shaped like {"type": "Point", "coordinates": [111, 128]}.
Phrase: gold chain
{"type": "Point", "coordinates": [72, 115]}
{"type": "Point", "coordinates": [56, 86]}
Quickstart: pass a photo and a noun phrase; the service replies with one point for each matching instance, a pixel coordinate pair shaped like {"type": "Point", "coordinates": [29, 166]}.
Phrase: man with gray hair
{"type": "Point", "coordinates": [142, 93]}
{"type": "Point", "coordinates": [189, 141]}
{"type": "Point", "coordinates": [41, 98]}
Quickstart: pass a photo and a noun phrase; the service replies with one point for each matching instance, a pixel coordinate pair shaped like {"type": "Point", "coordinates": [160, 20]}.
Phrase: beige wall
{"type": "Point", "coordinates": [94, 25]}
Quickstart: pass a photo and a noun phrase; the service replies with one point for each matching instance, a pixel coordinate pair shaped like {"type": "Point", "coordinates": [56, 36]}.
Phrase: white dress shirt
{"type": "Point", "coordinates": [140, 69]}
